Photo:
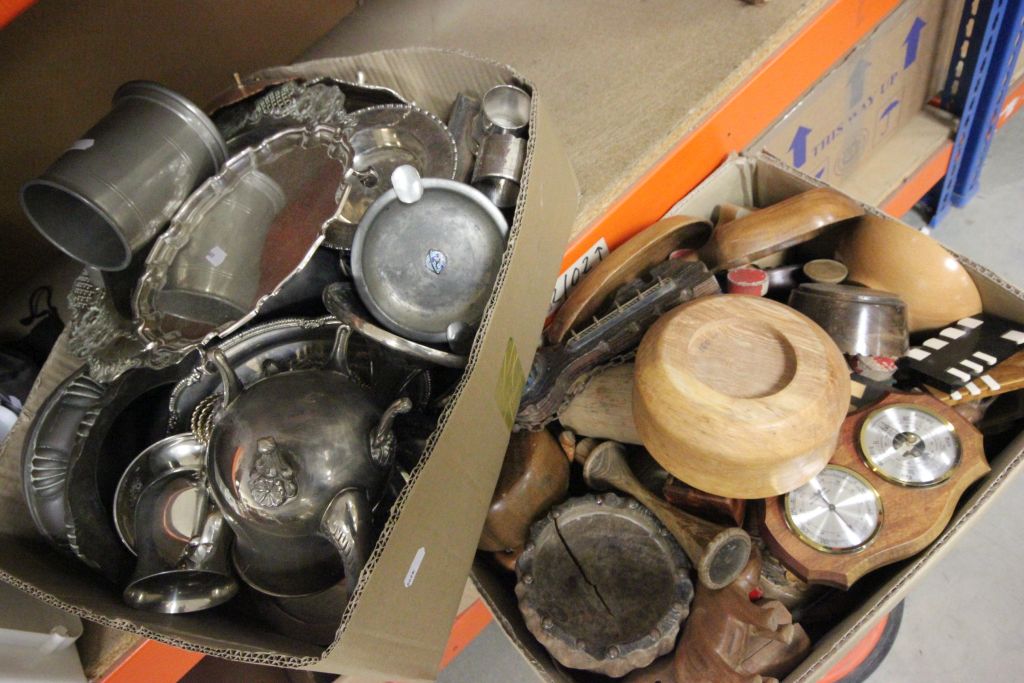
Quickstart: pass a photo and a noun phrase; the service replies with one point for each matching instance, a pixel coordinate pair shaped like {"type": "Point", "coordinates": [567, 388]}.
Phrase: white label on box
{"type": "Point", "coordinates": [918, 354]}
{"type": "Point", "coordinates": [959, 374]}
{"type": "Point", "coordinates": [969, 323]}
{"type": "Point", "coordinates": [417, 560]}
{"type": "Point", "coordinates": [935, 343]}
{"type": "Point", "coordinates": [574, 273]}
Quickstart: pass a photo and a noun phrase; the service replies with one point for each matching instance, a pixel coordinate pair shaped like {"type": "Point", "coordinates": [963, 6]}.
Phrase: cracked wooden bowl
{"type": "Point", "coordinates": [602, 585]}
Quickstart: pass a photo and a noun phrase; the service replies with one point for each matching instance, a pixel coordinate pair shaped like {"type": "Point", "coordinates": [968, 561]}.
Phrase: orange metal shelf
{"type": "Point", "coordinates": [9, 9]}
{"type": "Point", "coordinates": [737, 121]}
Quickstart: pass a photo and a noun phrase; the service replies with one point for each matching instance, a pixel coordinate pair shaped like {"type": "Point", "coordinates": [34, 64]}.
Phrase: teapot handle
{"type": "Point", "coordinates": [382, 441]}
{"type": "Point", "coordinates": [216, 360]}
{"type": "Point", "coordinates": [346, 522]}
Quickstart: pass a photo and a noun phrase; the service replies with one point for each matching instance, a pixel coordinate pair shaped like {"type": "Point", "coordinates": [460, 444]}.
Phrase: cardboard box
{"type": "Point", "coordinates": [868, 97]}
{"type": "Point", "coordinates": [761, 181]}
{"type": "Point", "coordinates": [398, 618]}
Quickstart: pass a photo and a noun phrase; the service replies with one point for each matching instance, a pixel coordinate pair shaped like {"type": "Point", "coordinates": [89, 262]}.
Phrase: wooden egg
{"type": "Point", "coordinates": [739, 396]}
{"type": "Point", "coordinates": [885, 254]}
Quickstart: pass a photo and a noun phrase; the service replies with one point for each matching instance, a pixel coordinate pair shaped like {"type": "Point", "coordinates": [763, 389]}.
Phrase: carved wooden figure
{"type": "Point", "coordinates": [728, 638]}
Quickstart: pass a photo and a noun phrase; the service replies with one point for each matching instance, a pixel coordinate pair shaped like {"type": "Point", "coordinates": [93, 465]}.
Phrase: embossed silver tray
{"type": "Point", "coordinates": [286, 344]}
{"type": "Point", "coordinates": [241, 237]}
{"type": "Point", "coordinates": [384, 138]}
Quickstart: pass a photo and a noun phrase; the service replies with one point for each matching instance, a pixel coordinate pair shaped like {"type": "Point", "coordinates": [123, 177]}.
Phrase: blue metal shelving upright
{"type": "Point", "coordinates": [987, 44]}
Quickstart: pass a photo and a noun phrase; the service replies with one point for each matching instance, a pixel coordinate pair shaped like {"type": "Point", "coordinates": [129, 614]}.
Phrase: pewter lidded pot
{"type": "Point", "coordinates": [295, 462]}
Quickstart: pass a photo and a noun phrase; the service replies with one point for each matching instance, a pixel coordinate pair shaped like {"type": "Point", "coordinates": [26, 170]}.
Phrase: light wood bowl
{"type": "Point", "coordinates": [767, 231]}
{"type": "Point", "coordinates": [885, 254]}
{"type": "Point", "coordinates": [739, 396]}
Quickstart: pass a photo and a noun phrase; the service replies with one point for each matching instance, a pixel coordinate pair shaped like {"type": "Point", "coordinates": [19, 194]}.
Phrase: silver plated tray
{"type": "Point", "coordinates": [384, 138]}
{"type": "Point", "coordinates": [241, 237]}
{"type": "Point", "coordinates": [254, 353]}
{"type": "Point", "coordinates": [63, 421]}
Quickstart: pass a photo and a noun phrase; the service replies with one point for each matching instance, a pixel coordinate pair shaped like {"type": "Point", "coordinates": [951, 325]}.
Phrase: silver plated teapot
{"type": "Point", "coordinates": [296, 462]}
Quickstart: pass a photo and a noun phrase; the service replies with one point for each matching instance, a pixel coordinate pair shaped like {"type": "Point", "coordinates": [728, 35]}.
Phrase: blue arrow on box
{"type": "Point", "coordinates": [799, 146]}
{"type": "Point", "coordinates": [856, 81]}
{"type": "Point", "coordinates": [912, 40]}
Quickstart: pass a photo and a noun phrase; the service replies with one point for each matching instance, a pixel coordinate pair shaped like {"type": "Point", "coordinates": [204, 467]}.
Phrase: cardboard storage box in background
{"type": "Point", "coordinates": [761, 181]}
{"type": "Point", "coordinates": [873, 93]}
{"type": "Point", "coordinates": [400, 613]}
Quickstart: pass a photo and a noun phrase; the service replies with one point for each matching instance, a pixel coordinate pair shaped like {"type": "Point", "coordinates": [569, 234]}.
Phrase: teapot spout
{"type": "Point", "coordinates": [216, 360]}
{"type": "Point", "coordinates": [382, 441]}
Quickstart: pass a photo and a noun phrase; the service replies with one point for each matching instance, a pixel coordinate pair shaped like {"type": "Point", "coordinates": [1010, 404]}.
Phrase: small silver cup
{"type": "Point", "coordinates": [505, 110]}
{"type": "Point", "coordinates": [499, 168]}
{"type": "Point", "coordinates": [183, 547]}
{"type": "Point", "coordinates": [111, 192]}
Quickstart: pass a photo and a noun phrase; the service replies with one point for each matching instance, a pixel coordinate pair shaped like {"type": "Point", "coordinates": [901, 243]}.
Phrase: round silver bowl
{"type": "Point", "coordinates": [428, 259]}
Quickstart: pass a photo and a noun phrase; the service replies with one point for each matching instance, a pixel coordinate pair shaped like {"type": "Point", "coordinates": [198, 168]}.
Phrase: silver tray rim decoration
{"type": "Point", "coordinates": [170, 243]}
{"type": "Point", "coordinates": [362, 119]}
{"type": "Point", "coordinates": [257, 342]}
{"type": "Point", "coordinates": [45, 469]}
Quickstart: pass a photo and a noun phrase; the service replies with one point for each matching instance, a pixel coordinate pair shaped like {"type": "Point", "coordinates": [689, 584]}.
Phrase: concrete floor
{"type": "Point", "coordinates": [963, 621]}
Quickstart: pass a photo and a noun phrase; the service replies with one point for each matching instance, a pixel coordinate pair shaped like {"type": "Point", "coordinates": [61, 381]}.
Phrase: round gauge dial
{"type": "Point", "coordinates": [836, 512]}
{"type": "Point", "coordinates": [909, 445]}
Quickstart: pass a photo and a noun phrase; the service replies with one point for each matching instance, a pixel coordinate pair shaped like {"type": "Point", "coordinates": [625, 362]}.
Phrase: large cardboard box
{"type": "Point", "coordinates": [397, 620]}
{"type": "Point", "coordinates": [760, 181]}
{"type": "Point", "coordinates": [868, 97]}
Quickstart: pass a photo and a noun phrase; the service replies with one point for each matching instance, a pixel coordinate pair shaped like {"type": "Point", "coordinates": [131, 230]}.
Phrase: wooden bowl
{"type": "Point", "coordinates": [739, 396]}
{"type": "Point", "coordinates": [760, 233]}
{"type": "Point", "coordinates": [885, 254]}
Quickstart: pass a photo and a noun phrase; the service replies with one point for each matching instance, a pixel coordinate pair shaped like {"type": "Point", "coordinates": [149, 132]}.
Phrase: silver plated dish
{"type": "Point", "coordinates": [426, 256]}
{"type": "Point", "coordinates": [63, 421]}
{"type": "Point", "coordinates": [343, 303]}
{"type": "Point", "coordinates": [255, 353]}
{"type": "Point", "coordinates": [241, 237]}
{"type": "Point", "coordinates": [384, 138]}
{"type": "Point", "coordinates": [179, 453]}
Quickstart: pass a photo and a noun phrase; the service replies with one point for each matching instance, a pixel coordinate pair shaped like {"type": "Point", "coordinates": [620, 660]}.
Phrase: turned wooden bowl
{"type": "Point", "coordinates": [885, 254]}
{"type": "Point", "coordinates": [739, 396]}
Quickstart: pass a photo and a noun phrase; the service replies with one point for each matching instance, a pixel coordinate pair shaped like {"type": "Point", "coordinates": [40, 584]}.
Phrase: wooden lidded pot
{"type": "Point", "coordinates": [739, 396]}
